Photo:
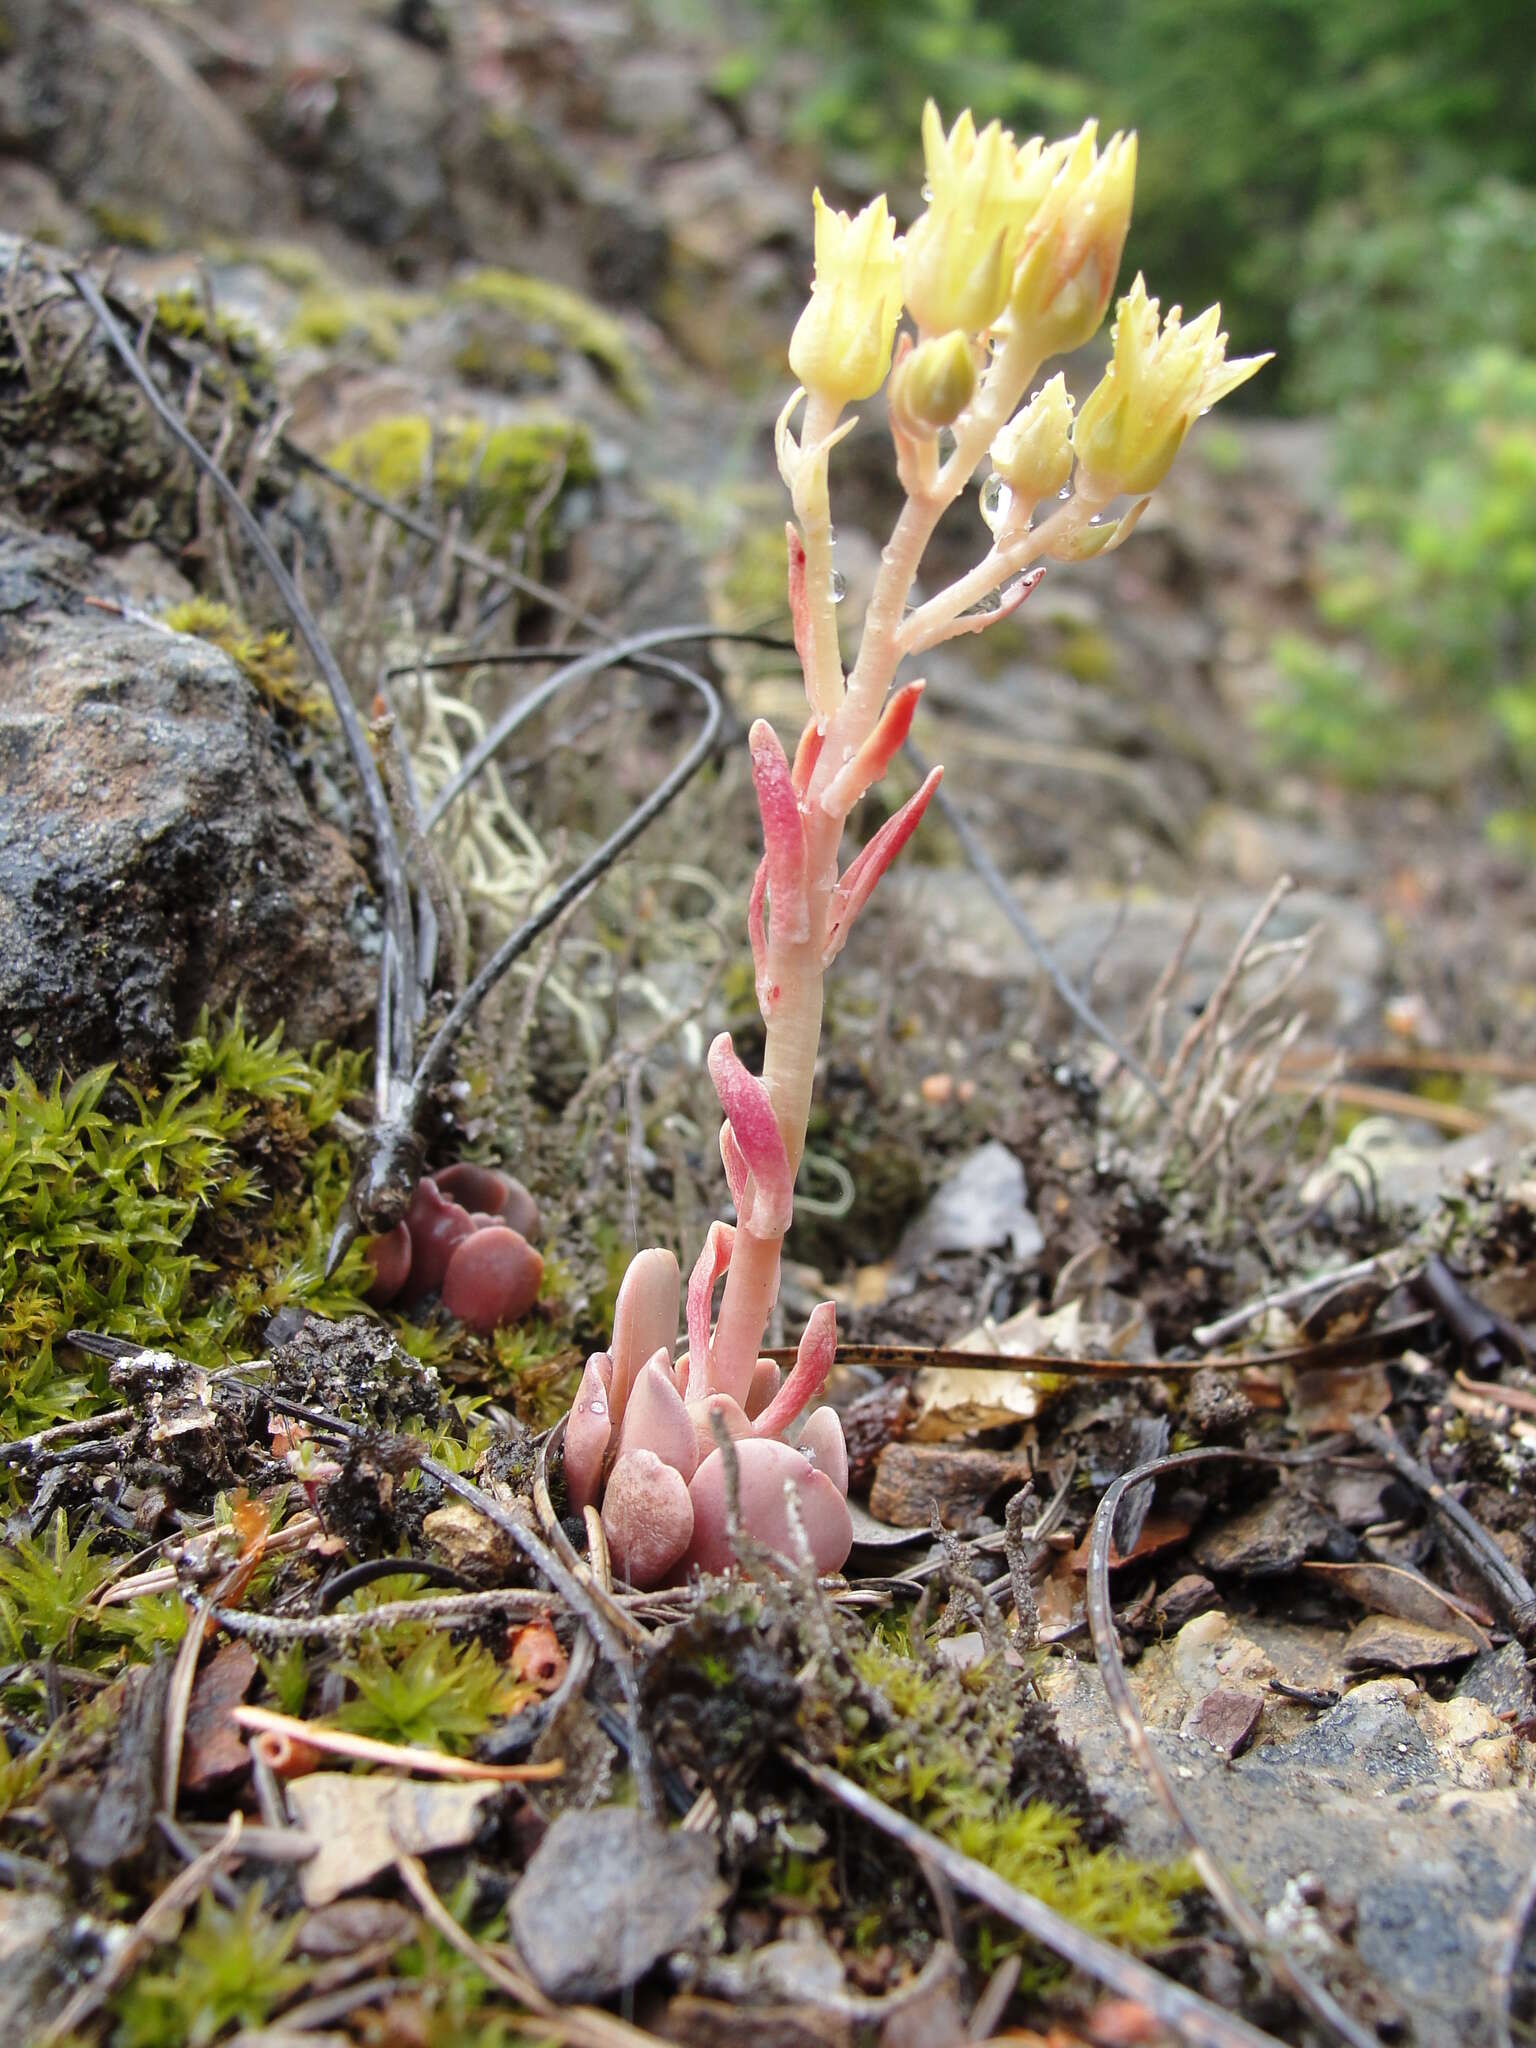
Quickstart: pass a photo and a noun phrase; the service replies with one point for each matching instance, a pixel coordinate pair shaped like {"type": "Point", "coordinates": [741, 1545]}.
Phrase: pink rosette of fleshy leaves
{"type": "Point", "coordinates": [464, 1238]}
{"type": "Point", "coordinates": [641, 1439]}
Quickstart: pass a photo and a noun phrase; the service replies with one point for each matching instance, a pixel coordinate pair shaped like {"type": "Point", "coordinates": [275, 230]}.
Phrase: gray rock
{"type": "Point", "coordinates": [1264, 1540]}
{"type": "Point", "coordinates": [1361, 1809]}
{"type": "Point", "coordinates": [1501, 1679]}
{"type": "Point", "coordinates": [605, 1895]}
{"type": "Point", "coordinates": [981, 1207]}
{"type": "Point", "coordinates": [156, 849]}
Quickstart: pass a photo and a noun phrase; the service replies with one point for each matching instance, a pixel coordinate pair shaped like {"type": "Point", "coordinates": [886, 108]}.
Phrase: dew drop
{"type": "Point", "coordinates": [1065, 492]}
{"type": "Point", "coordinates": [1097, 519]}
{"type": "Point", "coordinates": [597, 1407]}
{"type": "Point", "coordinates": [839, 586]}
{"type": "Point", "coordinates": [996, 502]}
{"type": "Point", "coordinates": [927, 194]}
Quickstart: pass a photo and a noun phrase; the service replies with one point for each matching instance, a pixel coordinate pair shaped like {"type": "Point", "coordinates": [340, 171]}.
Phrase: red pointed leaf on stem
{"type": "Point", "coordinates": [807, 754]}
{"type": "Point", "coordinates": [875, 756]}
{"type": "Point", "coordinates": [978, 622]}
{"type": "Point", "coordinates": [749, 1111]}
{"type": "Point", "coordinates": [710, 1264]}
{"type": "Point", "coordinates": [808, 1375]}
{"type": "Point", "coordinates": [783, 833]}
{"type": "Point", "coordinates": [866, 868]}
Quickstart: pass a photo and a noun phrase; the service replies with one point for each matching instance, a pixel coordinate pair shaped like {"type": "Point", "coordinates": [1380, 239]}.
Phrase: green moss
{"type": "Point", "coordinates": [564, 316]}
{"type": "Point", "coordinates": [291, 263]}
{"type": "Point", "coordinates": [371, 320]}
{"type": "Point", "coordinates": [495, 473]}
{"type": "Point", "coordinates": [1087, 654]}
{"type": "Point", "coordinates": [130, 227]}
{"type": "Point", "coordinates": [940, 1745]}
{"type": "Point", "coordinates": [229, 1968]}
{"type": "Point", "coordinates": [144, 1215]}
{"type": "Point", "coordinates": [184, 313]}
{"type": "Point", "coordinates": [426, 1691]}
{"type": "Point", "coordinates": [266, 660]}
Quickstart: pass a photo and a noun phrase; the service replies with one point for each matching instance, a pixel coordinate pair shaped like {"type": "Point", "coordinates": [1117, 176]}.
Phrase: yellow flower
{"type": "Point", "coordinates": [983, 190]}
{"type": "Point", "coordinates": [1061, 289]}
{"type": "Point", "coordinates": [1156, 387]}
{"type": "Point", "coordinates": [1033, 453]}
{"type": "Point", "coordinates": [934, 385]}
{"type": "Point", "coordinates": [841, 346]}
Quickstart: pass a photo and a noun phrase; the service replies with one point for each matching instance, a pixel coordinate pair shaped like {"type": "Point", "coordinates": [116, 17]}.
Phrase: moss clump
{"type": "Point", "coordinates": [370, 320]}
{"type": "Point", "coordinates": [230, 1968]}
{"type": "Point", "coordinates": [130, 227]}
{"type": "Point", "coordinates": [176, 1217]}
{"type": "Point", "coordinates": [291, 263]}
{"type": "Point", "coordinates": [957, 1751]}
{"type": "Point", "coordinates": [184, 314]}
{"type": "Point", "coordinates": [266, 660]}
{"type": "Point", "coordinates": [562, 316]}
{"type": "Point", "coordinates": [497, 474]}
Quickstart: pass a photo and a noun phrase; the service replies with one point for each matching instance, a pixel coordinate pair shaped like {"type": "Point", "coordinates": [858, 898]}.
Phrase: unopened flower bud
{"type": "Point", "coordinates": [1159, 382]}
{"type": "Point", "coordinates": [841, 346]}
{"type": "Point", "coordinates": [1062, 286]}
{"type": "Point", "coordinates": [1033, 453]}
{"type": "Point", "coordinates": [934, 385]}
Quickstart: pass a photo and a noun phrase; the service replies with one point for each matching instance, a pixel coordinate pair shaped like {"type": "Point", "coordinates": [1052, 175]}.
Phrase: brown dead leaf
{"type": "Point", "coordinates": [1160, 1531]}
{"type": "Point", "coordinates": [362, 1824]}
{"type": "Point", "coordinates": [213, 1748]}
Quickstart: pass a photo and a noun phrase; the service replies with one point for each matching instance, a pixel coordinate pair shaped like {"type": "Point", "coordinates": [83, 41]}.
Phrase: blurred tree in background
{"type": "Point", "coordinates": [1355, 180]}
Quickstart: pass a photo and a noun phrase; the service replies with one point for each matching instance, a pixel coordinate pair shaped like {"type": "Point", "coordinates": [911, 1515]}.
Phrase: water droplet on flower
{"type": "Point", "coordinates": [996, 502]}
{"type": "Point", "coordinates": [1065, 491]}
{"type": "Point", "coordinates": [839, 586]}
{"type": "Point", "coordinates": [597, 1407]}
{"type": "Point", "coordinates": [945, 443]}
{"type": "Point", "coordinates": [927, 194]}
{"type": "Point", "coordinates": [1097, 519]}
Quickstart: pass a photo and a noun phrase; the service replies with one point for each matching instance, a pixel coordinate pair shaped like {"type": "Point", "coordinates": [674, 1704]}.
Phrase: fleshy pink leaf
{"type": "Point", "coordinates": [647, 1517]}
{"type": "Point", "coordinates": [737, 1172]}
{"type": "Point", "coordinates": [978, 622]}
{"type": "Point", "coordinates": [749, 1111]}
{"type": "Point", "coordinates": [808, 1375]}
{"type": "Point", "coordinates": [765, 1469]}
{"type": "Point", "coordinates": [710, 1264]}
{"type": "Point", "coordinates": [783, 833]}
{"type": "Point", "coordinates": [875, 756]}
{"type": "Point", "coordinates": [799, 602]}
{"type": "Point", "coordinates": [644, 1318]}
{"type": "Point", "coordinates": [866, 868]}
{"type": "Point", "coordinates": [588, 1432]}
{"type": "Point", "coordinates": [731, 1413]}
{"type": "Point", "coordinates": [807, 754]}
{"type": "Point", "coordinates": [656, 1420]}
{"type": "Point", "coordinates": [766, 1382]}
{"type": "Point", "coordinates": [822, 1442]}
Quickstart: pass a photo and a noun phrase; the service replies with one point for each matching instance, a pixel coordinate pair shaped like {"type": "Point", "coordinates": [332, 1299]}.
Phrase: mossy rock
{"type": "Point", "coordinates": [497, 473]}
{"type": "Point", "coordinates": [370, 320]}
{"type": "Point", "coordinates": [550, 314]}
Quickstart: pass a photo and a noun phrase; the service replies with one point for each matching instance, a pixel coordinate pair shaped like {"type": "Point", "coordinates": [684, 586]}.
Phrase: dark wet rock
{"type": "Point", "coordinates": [1501, 1679]}
{"type": "Point", "coordinates": [912, 1480]}
{"type": "Point", "coordinates": [1184, 1599]}
{"type": "Point", "coordinates": [157, 852]}
{"type": "Point", "coordinates": [1267, 1539]}
{"type": "Point", "coordinates": [606, 1894]}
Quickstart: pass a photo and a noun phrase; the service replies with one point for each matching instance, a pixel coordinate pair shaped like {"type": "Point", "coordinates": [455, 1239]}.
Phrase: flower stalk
{"type": "Point", "coordinates": [1013, 261]}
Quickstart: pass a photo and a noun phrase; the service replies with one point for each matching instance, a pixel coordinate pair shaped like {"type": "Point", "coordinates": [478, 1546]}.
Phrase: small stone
{"type": "Point", "coordinates": [912, 1479]}
{"type": "Point", "coordinates": [1265, 1540]}
{"type": "Point", "coordinates": [1227, 1719]}
{"type": "Point", "coordinates": [1502, 1681]}
{"type": "Point", "coordinates": [605, 1895]}
{"type": "Point", "coordinates": [1383, 1642]}
{"type": "Point", "coordinates": [1182, 1601]}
